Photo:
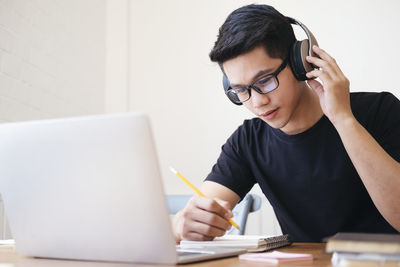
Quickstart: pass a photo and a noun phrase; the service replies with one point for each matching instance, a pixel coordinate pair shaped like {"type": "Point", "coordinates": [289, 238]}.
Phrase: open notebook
{"type": "Point", "coordinates": [252, 243]}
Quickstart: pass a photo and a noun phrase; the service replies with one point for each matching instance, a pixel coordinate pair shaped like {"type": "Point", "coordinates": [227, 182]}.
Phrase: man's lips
{"type": "Point", "coordinates": [269, 114]}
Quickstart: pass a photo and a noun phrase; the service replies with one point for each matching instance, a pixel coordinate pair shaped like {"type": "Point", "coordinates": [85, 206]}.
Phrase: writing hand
{"type": "Point", "coordinates": [202, 219]}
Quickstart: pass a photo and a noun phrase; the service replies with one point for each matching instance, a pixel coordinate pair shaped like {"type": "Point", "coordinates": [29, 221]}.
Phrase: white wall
{"type": "Point", "coordinates": [116, 94]}
{"type": "Point", "coordinates": [52, 56]}
{"type": "Point", "coordinates": [173, 80]}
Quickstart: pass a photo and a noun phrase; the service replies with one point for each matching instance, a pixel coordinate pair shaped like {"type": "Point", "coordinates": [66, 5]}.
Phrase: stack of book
{"type": "Point", "coordinates": [253, 243]}
{"type": "Point", "coordinates": [361, 249]}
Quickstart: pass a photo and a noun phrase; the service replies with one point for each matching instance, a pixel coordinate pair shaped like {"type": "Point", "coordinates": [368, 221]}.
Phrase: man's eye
{"type": "Point", "coordinates": [264, 80]}
{"type": "Point", "coordinates": [239, 90]}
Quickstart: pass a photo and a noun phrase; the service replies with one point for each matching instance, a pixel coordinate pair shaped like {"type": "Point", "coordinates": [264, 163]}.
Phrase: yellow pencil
{"type": "Point", "coordinates": [199, 193]}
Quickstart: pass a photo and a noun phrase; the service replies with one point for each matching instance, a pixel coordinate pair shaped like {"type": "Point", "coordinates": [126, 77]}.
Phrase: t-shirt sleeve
{"type": "Point", "coordinates": [385, 124]}
{"type": "Point", "coordinates": [231, 169]}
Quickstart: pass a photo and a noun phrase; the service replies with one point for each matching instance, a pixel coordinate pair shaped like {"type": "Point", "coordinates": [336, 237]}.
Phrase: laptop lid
{"type": "Point", "coordinates": [87, 188]}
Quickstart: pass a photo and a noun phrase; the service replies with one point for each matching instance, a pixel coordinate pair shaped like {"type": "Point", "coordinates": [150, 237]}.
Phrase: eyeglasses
{"type": "Point", "coordinates": [262, 85]}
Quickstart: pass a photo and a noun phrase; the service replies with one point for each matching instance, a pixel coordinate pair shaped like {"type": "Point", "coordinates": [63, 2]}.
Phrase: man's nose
{"type": "Point", "coordinates": [259, 100]}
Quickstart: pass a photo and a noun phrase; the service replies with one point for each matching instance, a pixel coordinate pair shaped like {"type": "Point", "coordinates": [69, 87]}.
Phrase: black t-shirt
{"type": "Point", "coordinates": [308, 178]}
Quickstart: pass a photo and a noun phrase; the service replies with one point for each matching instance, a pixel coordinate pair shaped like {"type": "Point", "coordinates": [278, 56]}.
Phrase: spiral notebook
{"type": "Point", "coordinates": [253, 243]}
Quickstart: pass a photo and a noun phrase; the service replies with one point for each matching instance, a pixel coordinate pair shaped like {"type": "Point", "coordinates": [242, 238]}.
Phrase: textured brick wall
{"type": "Point", "coordinates": [52, 55]}
{"type": "Point", "coordinates": [51, 58]}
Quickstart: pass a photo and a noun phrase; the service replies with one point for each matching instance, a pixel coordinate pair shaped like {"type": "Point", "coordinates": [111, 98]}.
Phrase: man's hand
{"type": "Point", "coordinates": [377, 169]}
{"type": "Point", "coordinates": [202, 219]}
{"type": "Point", "coordinates": [334, 92]}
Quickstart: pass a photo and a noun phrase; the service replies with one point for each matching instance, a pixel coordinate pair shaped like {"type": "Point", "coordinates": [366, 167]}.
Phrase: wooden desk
{"type": "Point", "coordinates": [12, 259]}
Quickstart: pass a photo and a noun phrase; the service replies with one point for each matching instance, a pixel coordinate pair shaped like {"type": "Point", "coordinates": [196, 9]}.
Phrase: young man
{"type": "Point", "coordinates": [327, 160]}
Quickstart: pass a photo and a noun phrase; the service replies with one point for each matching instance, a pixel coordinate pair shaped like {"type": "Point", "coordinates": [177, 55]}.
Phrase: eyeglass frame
{"type": "Point", "coordinates": [258, 90]}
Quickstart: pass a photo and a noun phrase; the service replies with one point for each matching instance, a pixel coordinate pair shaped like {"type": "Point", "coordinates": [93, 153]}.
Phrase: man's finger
{"type": "Point", "coordinates": [211, 206]}
{"type": "Point", "coordinates": [206, 229]}
{"type": "Point", "coordinates": [210, 219]}
{"type": "Point", "coordinates": [196, 237]}
{"type": "Point", "coordinates": [322, 74]}
{"type": "Point", "coordinates": [227, 206]}
{"type": "Point", "coordinates": [317, 87]}
{"type": "Point", "coordinates": [328, 59]}
{"type": "Point", "coordinates": [323, 55]}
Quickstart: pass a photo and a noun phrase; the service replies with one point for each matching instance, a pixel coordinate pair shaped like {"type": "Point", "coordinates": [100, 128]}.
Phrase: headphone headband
{"type": "Point", "coordinates": [310, 37]}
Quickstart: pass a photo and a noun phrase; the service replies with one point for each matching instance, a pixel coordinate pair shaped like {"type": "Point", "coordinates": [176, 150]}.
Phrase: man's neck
{"type": "Point", "coordinates": [307, 112]}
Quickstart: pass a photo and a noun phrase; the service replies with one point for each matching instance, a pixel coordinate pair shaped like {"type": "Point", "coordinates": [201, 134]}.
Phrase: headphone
{"type": "Point", "coordinates": [297, 57]}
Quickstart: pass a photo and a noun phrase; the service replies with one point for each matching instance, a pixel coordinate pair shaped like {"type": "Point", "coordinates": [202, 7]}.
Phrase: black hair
{"type": "Point", "coordinates": [250, 26]}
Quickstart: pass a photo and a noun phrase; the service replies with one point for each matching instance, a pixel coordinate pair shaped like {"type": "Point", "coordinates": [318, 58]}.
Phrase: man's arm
{"type": "Point", "coordinates": [379, 172]}
{"type": "Point", "coordinates": [206, 218]}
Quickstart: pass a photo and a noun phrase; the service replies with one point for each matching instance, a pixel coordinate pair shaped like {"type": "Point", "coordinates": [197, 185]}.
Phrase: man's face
{"type": "Point", "coordinates": [277, 107]}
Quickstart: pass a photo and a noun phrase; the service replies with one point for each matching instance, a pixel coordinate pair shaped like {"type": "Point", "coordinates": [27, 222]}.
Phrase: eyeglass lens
{"type": "Point", "coordinates": [264, 85]}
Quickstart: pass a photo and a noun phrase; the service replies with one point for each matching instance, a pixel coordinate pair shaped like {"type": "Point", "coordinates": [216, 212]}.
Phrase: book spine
{"type": "Point", "coordinates": [368, 247]}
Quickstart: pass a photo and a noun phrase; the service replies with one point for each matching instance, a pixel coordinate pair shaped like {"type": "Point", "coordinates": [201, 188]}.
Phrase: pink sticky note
{"type": "Point", "coordinates": [275, 257]}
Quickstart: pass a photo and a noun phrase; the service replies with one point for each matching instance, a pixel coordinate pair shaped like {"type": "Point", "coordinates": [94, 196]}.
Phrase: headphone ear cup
{"type": "Point", "coordinates": [226, 84]}
{"type": "Point", "coordinates": [296, 61]}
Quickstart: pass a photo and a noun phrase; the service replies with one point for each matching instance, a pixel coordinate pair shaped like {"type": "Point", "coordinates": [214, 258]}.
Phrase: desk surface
{"type": "Point", "coordinates": [11, 258]}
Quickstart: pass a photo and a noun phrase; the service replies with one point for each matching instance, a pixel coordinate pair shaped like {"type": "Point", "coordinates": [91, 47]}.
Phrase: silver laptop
{"type": "Point", "coordinates": [88, 188]}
